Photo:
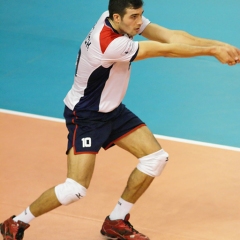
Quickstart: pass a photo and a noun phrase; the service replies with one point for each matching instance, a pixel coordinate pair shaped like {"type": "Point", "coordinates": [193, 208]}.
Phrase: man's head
{"type": "Point", "coordinates": [119, 6]}
{"type": "Point", "coordinates": [126, 15]}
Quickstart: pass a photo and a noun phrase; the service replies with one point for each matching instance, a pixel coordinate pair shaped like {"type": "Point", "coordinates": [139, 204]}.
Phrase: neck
{"type": "Point", "coordinates": [114, 25]}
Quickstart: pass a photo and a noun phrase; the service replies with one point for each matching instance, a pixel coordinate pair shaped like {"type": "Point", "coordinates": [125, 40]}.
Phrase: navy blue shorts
{"type": "Point", "coordinates": [89, 130]}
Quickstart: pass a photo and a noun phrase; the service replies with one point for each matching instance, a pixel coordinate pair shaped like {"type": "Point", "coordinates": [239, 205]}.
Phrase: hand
{"type": "Point", "coordinates": [228, 54]}
{"type": "Point", "coordinates": [235, 54]}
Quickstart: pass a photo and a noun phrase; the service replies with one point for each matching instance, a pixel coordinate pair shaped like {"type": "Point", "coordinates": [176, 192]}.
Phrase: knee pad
{"type": "Point", "coordinates": [153, 164]}
{"type": "Point", "coordinates": [70, 191]}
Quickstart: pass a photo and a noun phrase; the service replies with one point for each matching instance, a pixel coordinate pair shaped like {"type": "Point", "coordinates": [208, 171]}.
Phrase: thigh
{"type": "Point", "coordinates": [80, 167]}
{"type": "Point", "coordinates": [140, 142]}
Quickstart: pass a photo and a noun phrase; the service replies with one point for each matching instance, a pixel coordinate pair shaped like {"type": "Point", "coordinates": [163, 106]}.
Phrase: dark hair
{"type": "Point", "coordinates": [119, 6]}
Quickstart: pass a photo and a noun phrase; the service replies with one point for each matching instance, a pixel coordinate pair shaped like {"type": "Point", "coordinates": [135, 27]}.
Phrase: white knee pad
{"type": "Point", "coordinates": [154, 163]}
{"type": "Point", "coordinates": [70, 191]}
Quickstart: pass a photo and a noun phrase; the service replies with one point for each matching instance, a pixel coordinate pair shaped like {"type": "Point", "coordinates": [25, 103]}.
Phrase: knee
{"type": "Point", "coordinates": [70, 191]}
{"type": "Point", "coordinates": [154, 163]}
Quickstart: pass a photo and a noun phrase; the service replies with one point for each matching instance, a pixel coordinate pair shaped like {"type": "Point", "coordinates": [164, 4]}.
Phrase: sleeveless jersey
{"type": "Point", "coordinates": [102, 68]}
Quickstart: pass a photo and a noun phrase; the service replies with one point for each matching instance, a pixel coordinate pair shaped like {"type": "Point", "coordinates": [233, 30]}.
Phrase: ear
{"type": "Point", "coordinates": [116, 18]}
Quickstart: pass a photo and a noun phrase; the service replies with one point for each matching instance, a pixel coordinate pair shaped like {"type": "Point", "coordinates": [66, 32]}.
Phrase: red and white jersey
{"type": "Point", "coordinates": [102, 68]}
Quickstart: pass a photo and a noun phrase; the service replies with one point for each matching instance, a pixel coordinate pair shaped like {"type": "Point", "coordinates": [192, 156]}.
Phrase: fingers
{"type": "Point", "coordinates": [234, 54]}
{"type": "Point", "coordinates": [238, 53]}
{"type": "Point", "coordinates": [231, 64]}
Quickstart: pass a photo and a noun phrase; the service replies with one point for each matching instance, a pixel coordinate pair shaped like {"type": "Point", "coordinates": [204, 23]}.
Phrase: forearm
{"type": "Point", "coordinates": [232, 53]}
{"type": "Point", "coordinates": [160, 34]}
{"type": "Point", "coordinates": [186, 50]}
{"type": "Point", "coordinates": [150, 49]}
{"type": "Point", "coordinates": [177, 43]}
{"type": "Point", "coordinates": [179, 36]}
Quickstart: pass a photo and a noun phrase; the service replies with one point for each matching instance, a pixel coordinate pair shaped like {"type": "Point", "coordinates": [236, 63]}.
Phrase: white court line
{"type": "Point", "coordinates": [198, 143]}
{"type": "Point", "coordinates": [31, 115]}
{"type": "Point", "coordinates": [156, 135]}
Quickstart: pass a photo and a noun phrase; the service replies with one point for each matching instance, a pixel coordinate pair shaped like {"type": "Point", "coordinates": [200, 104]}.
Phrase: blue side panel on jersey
{"type": "Point", "coordinates": [196, 99]}
{"type": "Point", "coordinates": [93, 91]}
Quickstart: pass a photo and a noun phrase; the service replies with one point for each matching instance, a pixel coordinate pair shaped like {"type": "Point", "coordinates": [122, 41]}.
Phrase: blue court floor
{"type": "Point", "coordinates": [196, 99]}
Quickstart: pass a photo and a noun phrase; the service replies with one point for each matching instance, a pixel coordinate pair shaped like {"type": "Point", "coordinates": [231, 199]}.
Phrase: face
{"type": "Point", "coordinates": [130, 23]}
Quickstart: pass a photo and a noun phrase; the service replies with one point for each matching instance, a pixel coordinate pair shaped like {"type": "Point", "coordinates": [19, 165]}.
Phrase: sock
{"type": "Point", "coordinates": [121, 210]}
{"type": "Point", "coordinates": [26, 216]}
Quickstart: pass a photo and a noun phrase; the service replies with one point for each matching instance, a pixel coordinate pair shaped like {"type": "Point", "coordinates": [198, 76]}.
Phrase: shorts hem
{"type": "Point", "coordinates": [124, 135]}
{"type": "Point", "coordinates": [83, 152]}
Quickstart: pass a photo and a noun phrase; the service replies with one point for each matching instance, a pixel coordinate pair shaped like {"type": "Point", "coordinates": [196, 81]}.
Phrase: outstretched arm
{"type": "Point", "coordinates": [160, 34]}
{"type": "Point", "coordinates": [176, 43]}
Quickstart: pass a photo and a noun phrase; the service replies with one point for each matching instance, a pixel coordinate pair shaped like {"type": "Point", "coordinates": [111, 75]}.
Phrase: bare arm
{"type": "Point", "coordinates": [176, 43]}
{"type": "Point", "coordinates": [164, 35]}
{"type": "Point", "coordinates": [150, 49]}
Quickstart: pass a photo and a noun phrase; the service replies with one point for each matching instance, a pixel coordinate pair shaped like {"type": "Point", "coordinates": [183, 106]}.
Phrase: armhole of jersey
{"type": "Point", "coordinates": [78, 59]}
{"type": "Point", "coordinates": [134, 56]}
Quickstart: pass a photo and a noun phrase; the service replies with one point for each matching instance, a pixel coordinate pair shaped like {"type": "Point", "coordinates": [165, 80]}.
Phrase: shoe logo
{"type": "Point", "coordinates": [119, 203]}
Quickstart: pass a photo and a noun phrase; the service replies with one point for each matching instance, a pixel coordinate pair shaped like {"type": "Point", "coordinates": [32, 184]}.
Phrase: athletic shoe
{"type": "Point", "coordinates": [121, 230]}
{"type": "Point", "coordinates": [12, 230]}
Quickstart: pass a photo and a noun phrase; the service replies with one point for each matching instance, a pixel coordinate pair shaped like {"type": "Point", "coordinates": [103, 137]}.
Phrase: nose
{"type": "Point", "coordinates": [140, 21]}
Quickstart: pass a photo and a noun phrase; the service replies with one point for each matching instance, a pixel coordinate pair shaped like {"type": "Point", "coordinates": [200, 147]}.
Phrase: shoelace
{"type": "Point", "coordinates": [131, 226]}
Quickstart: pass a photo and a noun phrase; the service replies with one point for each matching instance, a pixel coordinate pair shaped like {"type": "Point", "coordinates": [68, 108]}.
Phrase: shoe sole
{"type": "Point", "coordinates": [109, 238]}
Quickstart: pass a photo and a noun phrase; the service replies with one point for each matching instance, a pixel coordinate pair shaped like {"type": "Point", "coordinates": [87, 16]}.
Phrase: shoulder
{"type": "Point", "coordinates": [107, 35]}
{"type": "Point", "coordinates": [122, 48]}
{"type": "Point", "coordinates": [104, 15]}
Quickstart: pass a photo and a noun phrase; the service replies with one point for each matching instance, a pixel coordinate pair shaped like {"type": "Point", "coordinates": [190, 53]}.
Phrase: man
{"type": "Point", "coordinates": [95, 116]}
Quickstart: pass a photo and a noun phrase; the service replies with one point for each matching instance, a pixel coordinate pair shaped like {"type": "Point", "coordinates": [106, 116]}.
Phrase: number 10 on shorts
{"type": "Point", "coordinates": [86, 142]}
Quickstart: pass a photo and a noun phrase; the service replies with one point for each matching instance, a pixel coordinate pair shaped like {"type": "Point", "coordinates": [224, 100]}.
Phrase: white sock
{"type": "Point", "coordinates": [121, 210]}
{"type": "Point", "coordinates": [26, 216]}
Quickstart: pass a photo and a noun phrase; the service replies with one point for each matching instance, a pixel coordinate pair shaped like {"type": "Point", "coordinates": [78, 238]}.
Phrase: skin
{"type": "Point", "coordinates": [130, 23]}
{"type": "Point", "coordinates": [80, 168]}
{"type": "Point", "coordinates": [171, 43]}
{"type": "Point", "coordinates": [162, 43]}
